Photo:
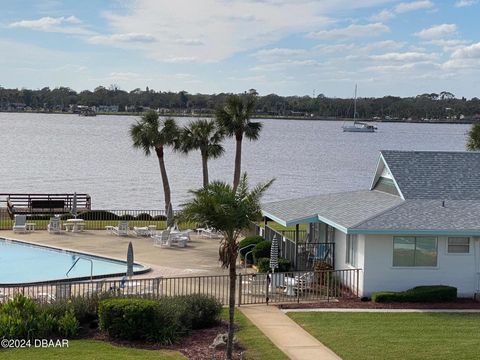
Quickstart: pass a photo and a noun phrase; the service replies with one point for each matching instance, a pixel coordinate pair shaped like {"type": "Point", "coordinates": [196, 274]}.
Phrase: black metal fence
{"type": "Point", "coordinates": [98, 219]}
{"type": "Point", "coordinates": [252, 288]}
{"type": "Point", "coordinates": [302, 254]}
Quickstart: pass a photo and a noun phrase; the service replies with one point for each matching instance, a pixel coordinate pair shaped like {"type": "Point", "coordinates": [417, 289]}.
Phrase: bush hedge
{"type": "Point", "coordinates": [263, 265]}
{"type": "Point", "coordinates": [261, 250]}
{"type": "Point", "coordinates": [433, 293]}
{"type": "Point", "coordinates": [249, 240]}
{"type": "Point", "coordinates": [163, 320]}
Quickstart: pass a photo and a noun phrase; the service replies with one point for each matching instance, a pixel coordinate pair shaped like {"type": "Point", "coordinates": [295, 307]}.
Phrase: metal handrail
{"type": "Point", "coordinates": [245, 259]}
{"type": "Point", "coordinates": [75, 263]}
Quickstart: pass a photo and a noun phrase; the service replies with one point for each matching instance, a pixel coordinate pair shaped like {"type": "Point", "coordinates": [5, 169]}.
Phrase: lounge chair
{"type": "Point", "coordinates": [208, 232]}
{"type": "Point", "coordinates": [54, 226]}
{"type": "Point", "coordinates": [121, 229]}
{"type": "Point", "coordinates": [141, 231]}
{"type": "Point", "coordinates": [298, 284]}
{"type": "Point", "coordinates": [20, 223]}
{"type": "Point", "coordinates": [163, 239]}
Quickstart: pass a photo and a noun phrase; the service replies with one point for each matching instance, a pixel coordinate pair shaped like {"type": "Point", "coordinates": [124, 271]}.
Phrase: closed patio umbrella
{"type": "Point", "coordinates": [274, 254]}
{"type": "Point", "coordinates": [73, 210]}
{"type": "Point", "coordinates": [130, 259]}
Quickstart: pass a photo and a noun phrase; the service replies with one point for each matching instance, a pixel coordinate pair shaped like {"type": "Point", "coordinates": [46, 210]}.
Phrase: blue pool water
{"type": "Point", "coordinates": [26, 263]}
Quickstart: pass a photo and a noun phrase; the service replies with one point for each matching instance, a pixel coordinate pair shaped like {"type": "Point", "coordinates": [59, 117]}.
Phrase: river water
{"type": "Point", "coordinates": [56, 153]}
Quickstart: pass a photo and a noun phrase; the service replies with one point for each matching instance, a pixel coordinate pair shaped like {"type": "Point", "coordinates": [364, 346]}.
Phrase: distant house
{"type": "Point", "coordinates": [417, 224]}
{"type": "Point", "coordinates": [107, 108]}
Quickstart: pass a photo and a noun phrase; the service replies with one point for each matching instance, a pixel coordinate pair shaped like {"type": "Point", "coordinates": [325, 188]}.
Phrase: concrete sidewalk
{"type": "Point", "coordinates": [286, 334]}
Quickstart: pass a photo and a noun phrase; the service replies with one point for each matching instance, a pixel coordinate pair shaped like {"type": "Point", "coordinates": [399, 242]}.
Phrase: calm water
{"type": "Point", "coordinates": [67, 153]}
{"type": "Point", "coordinates": [28, 263]}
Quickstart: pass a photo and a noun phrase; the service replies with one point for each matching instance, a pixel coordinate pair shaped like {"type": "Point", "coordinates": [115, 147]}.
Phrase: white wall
{"type": "Point", "coordinates": [457, 270]}
{"type": "Point", "coordinates": [340, 252]}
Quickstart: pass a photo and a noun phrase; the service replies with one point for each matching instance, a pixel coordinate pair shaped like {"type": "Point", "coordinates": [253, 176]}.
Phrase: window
{"type": "Point", "coordinates": [414, 251]}
{"type": "Point", "coordinates": [351, 250]}
{"type": "Point", "coordinates": [458, 245]}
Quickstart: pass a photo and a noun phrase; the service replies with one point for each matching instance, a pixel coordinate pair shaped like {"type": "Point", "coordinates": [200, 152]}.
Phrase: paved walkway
{"type": "Point", "coordinates": [286, 334]}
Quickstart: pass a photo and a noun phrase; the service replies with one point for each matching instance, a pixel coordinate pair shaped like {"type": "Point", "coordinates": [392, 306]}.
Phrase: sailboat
{"type": "Point", "coordinates": [358, 126]}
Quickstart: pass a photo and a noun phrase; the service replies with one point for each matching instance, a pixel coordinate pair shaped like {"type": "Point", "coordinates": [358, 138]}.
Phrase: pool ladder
{"type": "Point", "coordinates": [75, 263]}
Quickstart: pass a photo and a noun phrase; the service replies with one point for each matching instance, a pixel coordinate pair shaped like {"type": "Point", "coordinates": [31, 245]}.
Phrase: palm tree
{"type": "Point", "coordinates": [234, 119]}
{"type": "Point", "coordinates": [203, 135]}
{"type": "Point", "coordinates": [230, 211]}
{"type": "Point", "coordinates": [473, 142]}
{"type": "Point", "coordinates": [149, 134]}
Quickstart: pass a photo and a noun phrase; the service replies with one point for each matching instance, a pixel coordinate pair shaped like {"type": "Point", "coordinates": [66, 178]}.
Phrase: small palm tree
{"type": "Point", "coordinates": [149, 134]}
{"type": "Point", "coordinates": [230, 211]}
{"type": "Point", "coordinates": [203, 135]}
{"type": "Point", "coordinates": [234, 119]}
{"type": "Point", "coordinates": [473, 142]}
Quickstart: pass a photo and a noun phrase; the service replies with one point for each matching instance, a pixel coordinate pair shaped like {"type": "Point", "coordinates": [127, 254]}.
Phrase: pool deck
{"type": "Point", "coordinates": [200, 257]}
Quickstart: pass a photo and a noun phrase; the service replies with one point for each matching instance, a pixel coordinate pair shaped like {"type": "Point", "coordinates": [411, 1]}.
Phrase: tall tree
{"type": "Point", "coordinates": [221, 207]}
{"type": "Point", "coordinates": [234, 119]}
{"type": "Point", "coordinates": [473, 142]}
{"type": "Point", "coordinates": [203, 135]}
{"type": "Point", "coordinates": [151, 133]}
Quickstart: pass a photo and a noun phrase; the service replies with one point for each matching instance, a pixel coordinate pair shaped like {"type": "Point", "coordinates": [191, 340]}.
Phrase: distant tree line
{"type": "Point", "coordinates": [430, 106]}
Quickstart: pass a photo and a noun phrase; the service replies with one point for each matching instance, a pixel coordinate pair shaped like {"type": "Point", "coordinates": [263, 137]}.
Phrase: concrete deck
{"type": "Point", "coordinates": [200, 257]}
{"type": "Point", "coordinates": [286, 334]}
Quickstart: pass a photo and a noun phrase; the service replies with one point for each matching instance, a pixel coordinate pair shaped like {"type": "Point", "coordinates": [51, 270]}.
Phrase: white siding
{"type": "Point", "coordinates": [457, 270]}
{"type": "Point", "coordinates": [340, 251]}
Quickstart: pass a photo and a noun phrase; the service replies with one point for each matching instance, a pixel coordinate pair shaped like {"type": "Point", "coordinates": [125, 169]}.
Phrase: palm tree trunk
{"type": "Point", "coordinates": [231, 305]}
{"type": "Point", "coordinates": [205, 169]}
{"type": "Point", "coordinates": [163, 173]}
{"type": "Point", "coordinates": [238, 161]}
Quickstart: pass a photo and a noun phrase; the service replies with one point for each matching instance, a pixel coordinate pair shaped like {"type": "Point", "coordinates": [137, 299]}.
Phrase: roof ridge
{"type": "Point", "coordinates": [379, 214]}
{"type": "Point", "coordinates": [432, 151]}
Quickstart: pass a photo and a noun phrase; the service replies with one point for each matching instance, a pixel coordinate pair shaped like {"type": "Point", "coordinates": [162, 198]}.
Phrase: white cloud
{"type": "Point", "coordinates": [66, 25]}
{"type": "Point", "coordinates": [465, 3]}
{"type": "Point", "coordinates": [404, 57]}
{"type": "Point", "coordinates": [468, 52]}
{"type": "Point", "coordinates": [437, 32]}
{"type": "Point", "coordinates": [268, 55]}
{"type": "Point", "coordinates": [121, 38]}
{"type": "Point", "coordinates": [352, 31]}
{"type": "Point", "coordinates": [401, 8]}
{"type": "Point", "coordinates": [413, 6]}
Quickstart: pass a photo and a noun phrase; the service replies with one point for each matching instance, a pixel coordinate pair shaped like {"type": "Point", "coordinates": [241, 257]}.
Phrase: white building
{"type": "Point", "coordinates": [418, 224]}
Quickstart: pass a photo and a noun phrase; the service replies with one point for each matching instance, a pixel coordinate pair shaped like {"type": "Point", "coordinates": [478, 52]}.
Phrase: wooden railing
{"type": "Point", "coordinates": [45, 203]}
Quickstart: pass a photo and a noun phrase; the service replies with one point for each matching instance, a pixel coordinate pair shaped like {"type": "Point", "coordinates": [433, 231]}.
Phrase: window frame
{"type": "Point", "coordinates": [415, 266]}
{"type": "Point", "coordinates": [351, 250]}
{"type": "Point", "coordinates": [469, 252]}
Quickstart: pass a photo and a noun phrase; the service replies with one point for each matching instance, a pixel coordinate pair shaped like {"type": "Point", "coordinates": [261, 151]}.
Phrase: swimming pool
{"type": "Point", "coordinates": [22, 262]}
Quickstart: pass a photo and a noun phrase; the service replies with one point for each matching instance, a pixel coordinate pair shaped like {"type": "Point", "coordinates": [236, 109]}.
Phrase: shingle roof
{"type": "Point", "coordinates": [423, 215]}
{"type": "Point", "coordinates": [345, 209]}
{"type": "Point", "coordinates": [435, 174]}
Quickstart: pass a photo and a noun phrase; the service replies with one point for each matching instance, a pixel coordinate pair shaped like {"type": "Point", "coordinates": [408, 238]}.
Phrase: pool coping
{"type": "Point", "coordinates": [145, 269]}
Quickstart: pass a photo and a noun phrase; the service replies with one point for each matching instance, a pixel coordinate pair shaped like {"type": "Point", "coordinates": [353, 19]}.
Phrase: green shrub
{"type": "Point", "coordinates": [126, 217]}
{"type": "Point", "coordinates": [84, 308]}
{"type": "Point", "coordinates": [204, 311]}
{"type": "Point", "coordinates": [95, 215]}
{"type": "Point", "coordinates": [433, 293]}
{"type": "Point", "coordinates": [19, 318]}
{"type": "Point", "coordinates": [144, 216]}
{"type": "Point", "coordinates": [140, 319]}
{"type": "Point", "coordinates": [47, 325]}
{"type": "Point", "coordinates": [68, 324]}
{"type": "Point", "coordinates": [263, 265]}
{"type": "Point", "coordinates": [261, 250]}
{"type": "Point", "coordinates": [249, 240]}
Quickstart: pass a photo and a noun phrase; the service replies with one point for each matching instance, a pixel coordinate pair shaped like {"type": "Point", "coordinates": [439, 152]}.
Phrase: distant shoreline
{"type": "Point", "coordinates": [313, 118]}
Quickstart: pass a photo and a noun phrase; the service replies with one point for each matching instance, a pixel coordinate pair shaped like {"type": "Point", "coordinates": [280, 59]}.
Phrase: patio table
{"type": "Point", "coordinates": [75, 225]}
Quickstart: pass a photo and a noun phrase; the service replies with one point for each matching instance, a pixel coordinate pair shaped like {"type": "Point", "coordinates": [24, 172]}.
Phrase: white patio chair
{"type": "Point", "coordinates": [20, 223]}
{"type": "Point", "coordinates": [141, 231]}
{"type": "Point", "coordinates": [162, 239]}
{"type": "Point", "coordinates": [208, 232]}
{"type": "Point", "coordinates": [54, 226]}
{"type": "Point", "coordinates": [121, 229]}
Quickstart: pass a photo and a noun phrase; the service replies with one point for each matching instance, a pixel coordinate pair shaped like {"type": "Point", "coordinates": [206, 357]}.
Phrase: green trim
{"type": "Point", "coordinates": [305, 220]}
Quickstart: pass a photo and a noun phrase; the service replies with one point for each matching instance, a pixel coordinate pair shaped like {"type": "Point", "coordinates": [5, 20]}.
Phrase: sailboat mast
{"type": "Point", "coordinates": [355, 104]}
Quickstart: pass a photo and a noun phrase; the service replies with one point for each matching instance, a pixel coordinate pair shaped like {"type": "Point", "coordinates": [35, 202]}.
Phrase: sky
{"type": "Point", "coordinates": [287, 47]}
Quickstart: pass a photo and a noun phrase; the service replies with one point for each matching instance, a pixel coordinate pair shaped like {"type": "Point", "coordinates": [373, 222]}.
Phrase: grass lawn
{"type": "Point", "coordinates": [258, 346]}
{"type": "Point", "coordinates": [89, 349]}
{"type": "Point", "coordinates": [392, 336]}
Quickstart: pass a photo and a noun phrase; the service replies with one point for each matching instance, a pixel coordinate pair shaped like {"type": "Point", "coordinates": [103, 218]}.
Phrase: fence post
{"type": "Point", "coordinates": [239, 289]}
{"type": "Point", "coordinates": [297, 236]}
{"type": "Point", "coordinates": [357, 273]}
